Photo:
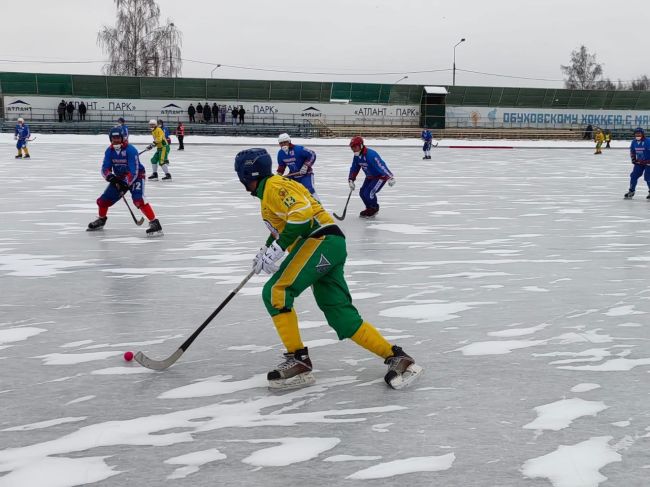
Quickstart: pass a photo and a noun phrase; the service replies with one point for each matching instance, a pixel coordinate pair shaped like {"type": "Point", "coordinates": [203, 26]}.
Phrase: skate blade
{"type": "Point", "coordinates": [94, 229]}
{"type": "Point", "coordinates": [296, 382]}
{"type": "Point", "coordinates": [155, 234]}
{"type": "Point", "coordinates": [410, 374]}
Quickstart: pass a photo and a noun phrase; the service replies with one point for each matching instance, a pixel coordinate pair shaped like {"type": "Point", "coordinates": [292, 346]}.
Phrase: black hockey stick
{"type": "Point", "coordinates": [149, 363]}
{"type": "Point", "coordinates": [342, 217]}
{"type": "Point", "coordinates": [135, 220]}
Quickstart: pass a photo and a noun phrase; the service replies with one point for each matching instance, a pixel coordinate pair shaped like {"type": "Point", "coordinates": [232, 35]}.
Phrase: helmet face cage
{"type": "Point", "coordinates": [356, 141]}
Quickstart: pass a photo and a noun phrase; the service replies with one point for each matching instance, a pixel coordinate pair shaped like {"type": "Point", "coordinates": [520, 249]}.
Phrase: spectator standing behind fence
{"type": "Point", "coordinates": [82, 111]}
{"type": "Point", "coordinates": [242, 112]}
{"type": "Point", "coordinates": [190, 112]}
{"type": "Point", "coordinates": [70, 109]}
{"type": "Point", "coordinates": [234, 113]}
{"type": "Point", "coordinates": [180, 135]}
{"type": "Point", "coordinates": [207, 112]}
{"type": "Point", "coordinates": [589, 133]}
{"type": "Point", "coordinates": [60, 110]}
{"type": "Point", "coordinates": [199, 111]}
{"type": "Point", "coordinates": [222, 112]}
{"type": "Point", "coordinates": [215, 112]}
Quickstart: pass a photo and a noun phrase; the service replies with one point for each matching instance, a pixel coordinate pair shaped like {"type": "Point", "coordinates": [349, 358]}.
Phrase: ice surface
{"type": "Point", "coordinates": [517, 278]}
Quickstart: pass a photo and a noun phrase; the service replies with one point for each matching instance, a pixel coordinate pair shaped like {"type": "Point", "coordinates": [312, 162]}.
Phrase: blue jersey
{"type": "Point", "coordinates": [124, 163]}
{"type": "Point", "coordinates": [22, 131]}
{"type": "Point", "coordinates": [640, 151]}
{"type": "Point", "coordinates": [427, 136]}
{"type": "Point", "coordinates": [371, 164]}
{"type": "Point", "coordinates": [295, 159]}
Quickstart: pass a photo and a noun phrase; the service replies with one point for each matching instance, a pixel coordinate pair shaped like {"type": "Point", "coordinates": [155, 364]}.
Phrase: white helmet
{"type": "Point", "coordinates": [153, 123]}
{"type": "Point", "coordinates": [284, 138]}
{"type": "Point", "coordinates": [21, 120]}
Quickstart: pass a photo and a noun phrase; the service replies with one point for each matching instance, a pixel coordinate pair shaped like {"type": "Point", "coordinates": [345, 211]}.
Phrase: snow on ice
{"type": "Point", "coordinates": [516, 278]}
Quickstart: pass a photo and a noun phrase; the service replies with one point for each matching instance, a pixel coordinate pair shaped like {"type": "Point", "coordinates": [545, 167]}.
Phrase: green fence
{"type": "Point", "coordinates": [547, 98]}
{"type": "Point", "coordinates": [200, 89]}
{"type": "Point", "coordinates": [204, 89]}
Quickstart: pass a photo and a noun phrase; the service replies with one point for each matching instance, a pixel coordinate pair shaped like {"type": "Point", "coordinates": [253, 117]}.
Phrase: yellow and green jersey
{"type": "Point", "coordinates": [159, 139]}
{"type": "Point", "coordinates": [289, 211]}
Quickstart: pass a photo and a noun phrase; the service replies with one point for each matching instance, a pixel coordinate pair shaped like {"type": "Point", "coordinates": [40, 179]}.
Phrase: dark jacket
{"type": "Point", "coordinates": [70, 107]}
{"type": "Point", "coordinates": [82, 108]}
{"type": "Point", "coordinates": [191, 110]}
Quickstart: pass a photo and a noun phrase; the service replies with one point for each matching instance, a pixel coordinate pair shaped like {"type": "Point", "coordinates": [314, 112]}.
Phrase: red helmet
{"type": "Point", "coordinates": [356, 140]}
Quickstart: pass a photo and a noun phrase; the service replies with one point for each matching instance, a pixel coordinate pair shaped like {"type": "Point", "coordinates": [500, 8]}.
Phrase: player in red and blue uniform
{"type": "Point", "coordinates": [21, 134]}
{"type": "Point", "coordinates": [377, 174]}
{"type": "Point", "coordinates": [640, 155]}
{"type": "Point", "coordinates": [124, 173]}
{"type": "Point", "coordinates": [300, 162]}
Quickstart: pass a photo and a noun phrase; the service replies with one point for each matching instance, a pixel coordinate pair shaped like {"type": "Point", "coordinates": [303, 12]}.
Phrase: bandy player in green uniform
{"type": "Point", "coordinates": [316, 250]}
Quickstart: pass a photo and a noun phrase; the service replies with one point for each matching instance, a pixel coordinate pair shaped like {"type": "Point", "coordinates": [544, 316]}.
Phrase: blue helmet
{"type": "Point", "coordinates": [115, 132]}
{"type": "Point", "coordinates": [639, 130]}
{"type": "Point", "coordinates": [253, 165]}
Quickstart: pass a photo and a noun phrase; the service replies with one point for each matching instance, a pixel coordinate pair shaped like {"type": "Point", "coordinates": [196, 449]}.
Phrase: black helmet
{"type": "Point", "coordinates": [253, 165]}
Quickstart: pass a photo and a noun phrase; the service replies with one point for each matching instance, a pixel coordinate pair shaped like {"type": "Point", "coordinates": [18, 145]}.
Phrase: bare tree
{"type": "Point", "coordinates": [583, 72]}
{"type": "Point", "coordinates": [138, 45]}
{"type": "Point", "coordinates": [640, 84]}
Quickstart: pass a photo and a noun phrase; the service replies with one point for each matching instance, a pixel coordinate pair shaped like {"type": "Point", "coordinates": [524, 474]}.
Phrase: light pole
{"type": "Point", "coordinates": [215, 68]}
{"type": "Point", "coordinates": [401, 79]}
{"type": "Point", "coordinates": [454, 70]}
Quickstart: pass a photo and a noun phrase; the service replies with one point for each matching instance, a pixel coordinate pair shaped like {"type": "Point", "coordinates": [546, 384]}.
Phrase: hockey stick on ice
{"type": "Point", "coordinates": [150, 363]}
{"type": "Point", "coordinates": [342, 217]}
{"type": "Point", "coordinates": [135, 220]}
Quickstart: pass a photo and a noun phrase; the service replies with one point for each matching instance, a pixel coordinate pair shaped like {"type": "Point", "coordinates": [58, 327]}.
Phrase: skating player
{"type": "Point", "coordinates": [299, 160]}
{"type": "Point", "coordinates": [124, 172]}
{"type": "Point", "coordinates": [316, 255]}
{"type": "Point", "coordinates": [377, 174]}
{"type": "Point", "coordinates": [161, 157]}
{"type": "Point", "coordinates": [640, 155]}
{"type": "Point", "coordinates": [21, 134]}
{"type": "Point", "coordinates": [427, 137]}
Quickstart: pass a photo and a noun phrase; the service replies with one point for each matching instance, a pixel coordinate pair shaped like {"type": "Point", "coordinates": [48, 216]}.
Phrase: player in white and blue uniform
{"type": "Point", "coordinates": [299, 160]}
{"type": "Point", "coordinates": [21, 134]}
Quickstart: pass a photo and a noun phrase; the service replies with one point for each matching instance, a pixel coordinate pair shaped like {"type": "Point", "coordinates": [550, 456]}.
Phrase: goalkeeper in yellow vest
{"type": "Point", "coordinates": [161, 157]}
{"type": "Point", "coordinates": [316, 249]}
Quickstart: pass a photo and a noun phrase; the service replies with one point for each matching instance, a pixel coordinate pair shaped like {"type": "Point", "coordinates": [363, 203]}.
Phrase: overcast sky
{"type": "Point", "coordinates": [346, 38]}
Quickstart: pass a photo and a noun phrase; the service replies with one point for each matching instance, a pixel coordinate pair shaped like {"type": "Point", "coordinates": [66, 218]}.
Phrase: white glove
{"type": "Point", "coordinates": [257, 261]}
{"type": "Point", "coordinates": [351, 184]}
{"type": "Point", "coordinates": [270, 257]}
{"type": "Point", "coordinates": [303, 169]}
{"type": "Point", "coordinates": [391, 182]}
